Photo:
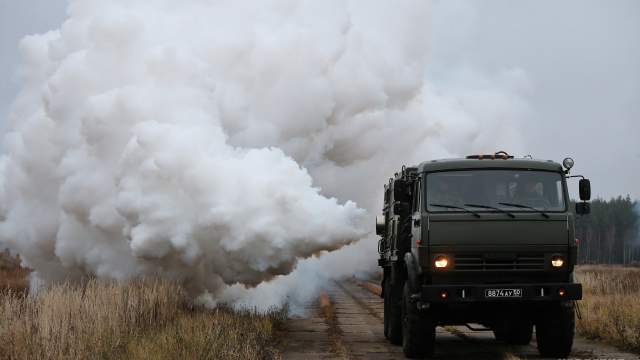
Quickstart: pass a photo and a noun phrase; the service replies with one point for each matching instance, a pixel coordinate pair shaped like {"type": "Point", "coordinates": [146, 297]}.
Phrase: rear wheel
{"type": "Point", "coordinates": [555, 330]}
{"type": "Point", "coordinates": [392, 313]}
{"type": "Point", "coordinates": [418, 328]}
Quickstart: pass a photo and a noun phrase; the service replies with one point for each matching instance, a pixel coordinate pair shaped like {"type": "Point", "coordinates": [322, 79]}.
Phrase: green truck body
{"type": "Point", "coordinates": [484, 240]}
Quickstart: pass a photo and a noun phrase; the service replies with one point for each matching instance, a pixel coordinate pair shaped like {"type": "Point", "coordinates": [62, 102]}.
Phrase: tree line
{"type": "Point", "coordinates": [610, 234]}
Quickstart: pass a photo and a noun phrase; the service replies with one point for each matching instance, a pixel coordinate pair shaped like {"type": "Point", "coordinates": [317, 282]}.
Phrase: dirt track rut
{"type": "Point", "coordinates": [351, 328]}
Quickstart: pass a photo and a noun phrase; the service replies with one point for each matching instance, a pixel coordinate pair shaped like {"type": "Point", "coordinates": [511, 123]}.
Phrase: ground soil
{"type": "Point", "coordinates": [350, 327]}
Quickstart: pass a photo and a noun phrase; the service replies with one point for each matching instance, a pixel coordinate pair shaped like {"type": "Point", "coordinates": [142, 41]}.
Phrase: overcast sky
{"type": "Point", "coordinates": [581, 58]}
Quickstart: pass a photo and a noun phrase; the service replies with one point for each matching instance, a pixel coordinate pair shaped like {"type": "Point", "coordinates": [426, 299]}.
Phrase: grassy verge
{"type": "Point", "coordinates": [148, 319]}
{"type": "Point", "coordinates": [610, 309]}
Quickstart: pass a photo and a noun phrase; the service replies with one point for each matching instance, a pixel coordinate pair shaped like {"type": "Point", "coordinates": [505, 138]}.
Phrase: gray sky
{"type": "Point", "coordinates": [582, 58]}
{"type": "Point", "coordinates": [17, 19]}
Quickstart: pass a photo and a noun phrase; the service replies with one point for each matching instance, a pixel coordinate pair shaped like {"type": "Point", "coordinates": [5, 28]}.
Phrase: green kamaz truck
{"type": "Point", "coordinates": [487, 240]}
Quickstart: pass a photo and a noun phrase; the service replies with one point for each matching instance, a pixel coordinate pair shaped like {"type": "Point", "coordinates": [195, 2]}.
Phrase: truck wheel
{"type": "Point", "coordinates": [392, 314]}
{"type": "Point", "coordinates": [555, 329]}
{"type": "Point", "coordinates": [418, 328]}
{"type": "Point", "coordinates": [386, 321]}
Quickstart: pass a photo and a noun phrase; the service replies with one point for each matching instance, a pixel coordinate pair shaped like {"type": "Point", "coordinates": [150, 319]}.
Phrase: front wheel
{"type": "Point", "coordinates": [555, 330]}
{"type": "Point", "coordinates": [386, 321]}
{"type": "Point", "coordinates": [418, 328]}
{"type": "Point", "coordinates": [392, 316]}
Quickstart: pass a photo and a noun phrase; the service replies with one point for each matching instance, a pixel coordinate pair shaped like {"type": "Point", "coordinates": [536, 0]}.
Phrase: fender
{"type": "Point", "coordinates": [413, 272]}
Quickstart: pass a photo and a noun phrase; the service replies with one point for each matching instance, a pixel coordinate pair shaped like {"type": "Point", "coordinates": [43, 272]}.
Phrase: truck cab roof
{"type": "Point", "coordinates": [489, 163]}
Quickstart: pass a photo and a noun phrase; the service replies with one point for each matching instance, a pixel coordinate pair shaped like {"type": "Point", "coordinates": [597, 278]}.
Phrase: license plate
{"type": "Point", "coordinates": [503, 293]}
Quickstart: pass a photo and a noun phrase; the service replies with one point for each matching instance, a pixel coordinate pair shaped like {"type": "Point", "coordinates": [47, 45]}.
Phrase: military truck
{"type": "Point", "coordinates": [486, 241]}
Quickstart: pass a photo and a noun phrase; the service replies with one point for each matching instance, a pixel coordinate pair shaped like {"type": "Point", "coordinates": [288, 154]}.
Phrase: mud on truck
{"type": "Point", "coordinates": [486, 240]}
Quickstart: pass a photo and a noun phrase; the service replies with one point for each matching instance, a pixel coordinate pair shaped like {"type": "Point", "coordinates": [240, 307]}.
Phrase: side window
{"type": "Point", "coordinates": [558, 195]}
{"type": "Point", "coordinates": [419, 208]}
{"type": "Point", "coordinates": [417, 197]}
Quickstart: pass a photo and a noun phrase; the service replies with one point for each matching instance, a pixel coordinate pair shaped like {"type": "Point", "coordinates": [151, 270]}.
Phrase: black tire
{"type": "Point", "coordinates": [418, 329]}
{"type": "Point", "coordinates": [555, 330]}
{"type": "Point", "coordinates": [385, 292]}
{"type": "Point", "coordinates": [392, 314]}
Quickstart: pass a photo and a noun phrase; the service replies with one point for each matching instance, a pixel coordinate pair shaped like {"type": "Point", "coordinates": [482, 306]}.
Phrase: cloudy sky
{"type": "Point", "coordinates": [579, 59]}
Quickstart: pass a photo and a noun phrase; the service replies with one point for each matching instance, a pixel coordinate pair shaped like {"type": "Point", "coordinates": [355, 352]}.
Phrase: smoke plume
{"type": "Point", "coordinates": [221, 143]}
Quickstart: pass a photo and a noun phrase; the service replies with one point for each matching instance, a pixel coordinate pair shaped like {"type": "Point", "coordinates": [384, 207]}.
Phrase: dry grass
{"type": "Point", "coordinates": [13, 278]}
{"type": "Point", "coordinates": [14, 281]}
{"type": "Point", "coordinates": [140, 320]}
{"type": "Point", "coordinates": [210, 335]}
{"type": "Point", "coordinates": [610, 310]}
{"type": "Point", "coordinates": [8, 262]}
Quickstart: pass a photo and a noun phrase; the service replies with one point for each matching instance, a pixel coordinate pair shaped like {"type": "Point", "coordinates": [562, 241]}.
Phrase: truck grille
{"type": "Point", "coordinates": [479, 262]}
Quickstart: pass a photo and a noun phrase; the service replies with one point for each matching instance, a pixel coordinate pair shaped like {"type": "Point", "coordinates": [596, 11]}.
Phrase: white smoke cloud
{"type": "Point", "coordinates": [220, 143]}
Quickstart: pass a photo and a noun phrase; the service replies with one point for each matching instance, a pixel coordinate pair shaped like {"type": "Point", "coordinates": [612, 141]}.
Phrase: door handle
{"type": "Point", "coordinates": [416, 222]}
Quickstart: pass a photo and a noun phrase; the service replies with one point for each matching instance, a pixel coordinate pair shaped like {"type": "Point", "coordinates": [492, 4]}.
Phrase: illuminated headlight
{"type": "Point", "coordinates": [568, 163]}
{"type": "Point", "coordinates": [557, 261]}
{"type": "Point", "coordinates": [441, 262]}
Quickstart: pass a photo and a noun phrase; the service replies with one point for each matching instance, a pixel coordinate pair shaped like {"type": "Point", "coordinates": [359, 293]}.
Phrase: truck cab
{"type": "Point", "coordinates": [489, 240]}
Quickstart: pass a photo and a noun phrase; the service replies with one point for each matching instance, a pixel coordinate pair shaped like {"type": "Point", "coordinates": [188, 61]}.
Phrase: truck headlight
{"type": "Point", "coordinates": [557, 261]}
{"type": "Point", "coordinates": [441, 262]}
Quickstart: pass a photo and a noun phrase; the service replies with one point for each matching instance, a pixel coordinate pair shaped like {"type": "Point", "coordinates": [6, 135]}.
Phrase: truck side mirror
{"type": "Point", "coordinates": [585, 189]}
{"type": "Point", "coordinates": [380, 225]}
{"type": "Point", "coordinates": [583, 208]}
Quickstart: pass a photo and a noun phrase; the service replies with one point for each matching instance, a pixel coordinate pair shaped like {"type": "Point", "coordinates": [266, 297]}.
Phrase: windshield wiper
{"type": "Point", "coordinates": [521, 206]}
{"type": "Point", "coordinates": [456, 207]}
{"type": "Point", "coordinates": [491, 207]}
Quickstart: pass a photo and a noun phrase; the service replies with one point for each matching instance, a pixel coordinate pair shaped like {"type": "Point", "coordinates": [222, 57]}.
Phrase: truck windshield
{"type": "Point", "coordinates": [495, 191]}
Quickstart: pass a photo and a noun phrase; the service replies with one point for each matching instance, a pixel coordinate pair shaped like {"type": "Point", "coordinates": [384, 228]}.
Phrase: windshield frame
{"type": "Point", "coordinates": [565, 194]}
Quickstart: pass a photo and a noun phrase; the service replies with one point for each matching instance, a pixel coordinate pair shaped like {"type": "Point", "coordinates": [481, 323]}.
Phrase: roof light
{"type": "Point", "coordinates": [568, 163]}
{"type": "Point", "coordinates": [503, 155]}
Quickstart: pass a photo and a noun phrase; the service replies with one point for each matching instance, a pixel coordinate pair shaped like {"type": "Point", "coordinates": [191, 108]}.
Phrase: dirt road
{"type": "Point", "coordinates": [347, 324]}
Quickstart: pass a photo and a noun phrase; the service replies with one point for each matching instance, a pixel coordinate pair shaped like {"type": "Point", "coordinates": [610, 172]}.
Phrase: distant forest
{"type": "Point", "coordinates": [610, 234]}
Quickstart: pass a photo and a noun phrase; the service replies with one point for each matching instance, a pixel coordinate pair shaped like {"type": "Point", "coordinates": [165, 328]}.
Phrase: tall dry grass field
{"type": "Point", "coordinates": [14, 281]}
{"type": "Point", "coordinates": [13, 278]}
{"type": "Point", "coordinates": [140, 320]}
{"type": "Point", "coordinates": [610, 309]}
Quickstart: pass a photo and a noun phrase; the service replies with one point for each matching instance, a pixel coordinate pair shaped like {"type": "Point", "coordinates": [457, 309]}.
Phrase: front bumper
{"type": "Point", "coordinates": [463, 293]}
